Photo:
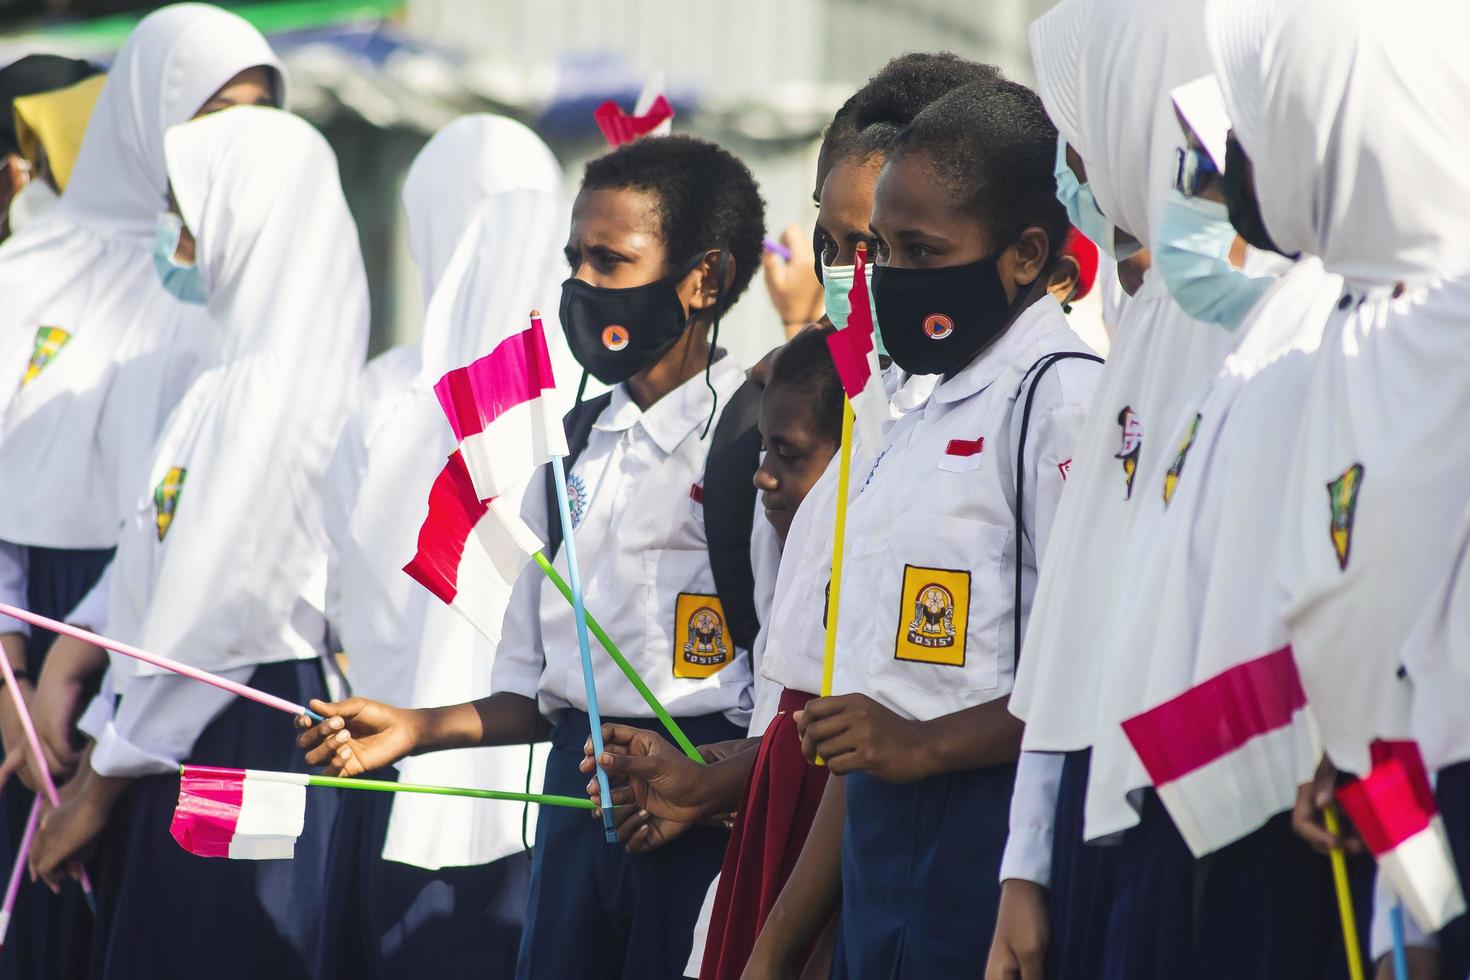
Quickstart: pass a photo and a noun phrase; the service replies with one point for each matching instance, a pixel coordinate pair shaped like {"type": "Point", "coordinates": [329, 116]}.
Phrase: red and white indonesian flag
{"type": "Point", "coordinates": [856, 357]}
{"type": "Point", "coordinates": [470, 550]}
{"type": "Point", "coordinates": [239, 813]}
{"type": "Point", "coordinates": [1226, 755]}
{"type": "Point", "coordinates": [501, 415]}
{"type": "Point", "coordinates": [652, 115]}
{"type": "Point", "coordinates": [1394, 810]}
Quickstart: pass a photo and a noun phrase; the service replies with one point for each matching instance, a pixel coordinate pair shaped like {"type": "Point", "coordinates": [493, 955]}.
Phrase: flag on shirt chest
{"type": "Point", "coordinates": [470, 551]}
{"type": "Point", "coordinates": [1226, 755]}
{"type": "Point", "coordinates": [855, 356]}
{"type": "Point", "coordinates": [500, 413]}
{"type": "Point", "coordinates": [1394, 810]}
{"type": "Point", "coordinates": [239, 813]}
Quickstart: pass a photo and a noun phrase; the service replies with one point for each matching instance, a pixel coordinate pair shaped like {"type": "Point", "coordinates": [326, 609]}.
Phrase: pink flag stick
{"type": "Point", "coordinates": [16, 873]}
{"type": "Point", "coordinates": [193, 673]}
{"type": "Point", "coordinates": [34, 741]}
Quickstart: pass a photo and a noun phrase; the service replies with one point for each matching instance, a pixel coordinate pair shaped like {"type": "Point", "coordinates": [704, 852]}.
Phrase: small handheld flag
{"type": "Point", "coordinates": [1394, 809]}
{"type": "Point", "coordinates": [253, 814]}
{"type": "Point", "coordinates": [1344, 899]}
{"type": "Point", "coordinates": [652, 115]}
{"type": "Point", "coordinates": [855, 355]}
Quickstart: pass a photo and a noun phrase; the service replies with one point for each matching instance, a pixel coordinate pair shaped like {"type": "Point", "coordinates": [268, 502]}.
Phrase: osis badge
{"type": "Point", "coordinates": [1132, 443]}
{"type": "Point", "coordinates": [1171, 478]}
{"type": "Point", "coordinates": [166, 499]}
{"type": "Point", "coordinates": [49, 341]}
{"type": "Point", "coordinates": [1342, 496]}
{"type": "Point", "coordinates": [700, 621]}
{"type": "Point", "coordinates": [933, 616]}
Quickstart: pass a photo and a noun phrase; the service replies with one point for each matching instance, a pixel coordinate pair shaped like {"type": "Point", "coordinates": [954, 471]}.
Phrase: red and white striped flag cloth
{"type": "Point", "coordinates": [855, 355]}
{"type": "Point", "coordinates": [470, 551]}
{"type": "Point", "coordinates": [1227, 754]}
{"type": "Point", "coordinates": [1394, 810]}
{"type": "Point", "coordinates": [652, 115]}
{"type": "Point", "coordinates": [239, 813]}
{"type": "Point", "coordinates": [501, 415]}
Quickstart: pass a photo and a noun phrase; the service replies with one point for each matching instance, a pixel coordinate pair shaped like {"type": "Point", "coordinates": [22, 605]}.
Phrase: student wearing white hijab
{"type": "Point", "coordinates": [438, 888]}
{"type": "Point", "coordinates": [1341, 108]}
{"type": "Point", "coordinates": [93, 355]}
{"type": "Point", "coordinates": [220, 556]}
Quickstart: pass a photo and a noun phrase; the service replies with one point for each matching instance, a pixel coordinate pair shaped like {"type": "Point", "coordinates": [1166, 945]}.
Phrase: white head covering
{"type": "Point", "coordinates": [1353, 114]}
{"type": "Point", "coordinates": [74, 436]}
{"type": "Point", "coordinates": [1056, 49]}
{"type": "Point", "coordinates": [278, 253]}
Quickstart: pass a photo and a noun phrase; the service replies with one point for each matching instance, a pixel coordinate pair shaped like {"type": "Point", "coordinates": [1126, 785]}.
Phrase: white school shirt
{"type": "Point", "coordinates": [13, 585]}
{"type": "Point", "coordinates": [931, 549]}
{"type": "Point", "coordinates": [644, 559]}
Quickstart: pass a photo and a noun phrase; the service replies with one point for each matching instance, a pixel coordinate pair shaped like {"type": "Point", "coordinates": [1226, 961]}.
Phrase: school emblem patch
{"type": "Point", "coordinates": [700, 620]}
{"type": "Point", "coordinates": [933, 616]}
{"type": "Point", "coordinates": [1171, 478]}
{"type": "Point", "coordinates": [166, 499]}
{"type": "Point", "coordinates": [1132, 443]}
{"type": "Point", "coordinates": [49, 341]}
{"type": "Point", "coordinates": [1342, 496]}
{"type": "Point", "coordinates": [576, 498]}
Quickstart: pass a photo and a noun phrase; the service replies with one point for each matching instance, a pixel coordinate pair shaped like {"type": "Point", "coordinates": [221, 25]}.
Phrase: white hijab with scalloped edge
{"type": "Point", "coordinates": [247, 448]}
{"type": "Point", "coordinates": [75, 433]}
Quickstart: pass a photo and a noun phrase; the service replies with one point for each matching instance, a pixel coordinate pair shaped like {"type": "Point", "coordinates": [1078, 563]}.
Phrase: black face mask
{"type": "Point", "coordinates": [615, 333]}
{"type": "Point", "coordinates": [934, 321]}
{"type": "Point", "coordinates": [1241, 203]}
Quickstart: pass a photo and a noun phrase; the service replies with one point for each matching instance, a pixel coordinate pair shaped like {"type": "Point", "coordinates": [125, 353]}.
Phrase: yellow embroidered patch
{"type": "Point", "coordinates": [701, 646]}
{"type": "Point", "coordinates": [49, 341]}
{"type": "Point", "coordinates": [933, 616]}
{"type": "Point", "coordinates": [166, 499]}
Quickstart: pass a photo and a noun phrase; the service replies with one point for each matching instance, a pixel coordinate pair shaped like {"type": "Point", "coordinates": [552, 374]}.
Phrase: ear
{"type": "Point", "coordinates": [1062, 283]}
{"type": "Point", "coordinates": [701, 288]}
{"type": "Point", "coordinates": [1025, 258]}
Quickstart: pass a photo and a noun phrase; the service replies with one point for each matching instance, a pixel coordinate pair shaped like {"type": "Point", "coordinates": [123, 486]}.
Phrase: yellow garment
{"type": "Point", "coordinates": [55, 122]}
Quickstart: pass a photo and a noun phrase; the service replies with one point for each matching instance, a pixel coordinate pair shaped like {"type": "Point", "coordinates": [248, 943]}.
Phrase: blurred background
{"type": "Point", "coordinates": [378, 77]}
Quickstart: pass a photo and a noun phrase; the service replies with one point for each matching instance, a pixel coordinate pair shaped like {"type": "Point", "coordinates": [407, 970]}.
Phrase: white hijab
{"type": "Point", "coordinates": [278, 253]}
{"type": "Point", "coordinates": [1349, 112]}
{"type": "Point", "coordinates": [1056, 43]}
{"type": "Point", "coordinates": [74, 439]}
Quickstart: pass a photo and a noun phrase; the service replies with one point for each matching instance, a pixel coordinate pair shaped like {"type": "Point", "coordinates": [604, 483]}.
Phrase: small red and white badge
{"type": "Point", "coordinates": [962, 455]}
{"type": "Point", "coordinates": [1064, 467]}
{"type": "Point", "coordinates": [696, 500]}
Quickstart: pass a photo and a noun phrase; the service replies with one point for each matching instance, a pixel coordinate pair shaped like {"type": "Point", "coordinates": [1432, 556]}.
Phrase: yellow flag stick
{"type": "Point", "coordinates": [839, 532]}
{"type": "Point", "coordinates": [1344, 898]}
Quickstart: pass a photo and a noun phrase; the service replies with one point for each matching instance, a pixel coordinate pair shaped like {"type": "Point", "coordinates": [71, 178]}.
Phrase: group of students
{"type": "Point", "coordinates": [195, 460]}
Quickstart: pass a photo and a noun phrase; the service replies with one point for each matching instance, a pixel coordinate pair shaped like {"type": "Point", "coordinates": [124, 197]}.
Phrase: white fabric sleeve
{"type": "Point", "coordinates": [520, 659]}
{"type": "Point", "coordinates": [91, 612]}
{"type": "Point", "coordinates": [158, 721]}
{"type": "Point", "coordinates": [1033, 818]}
{"type": "Point", "coordinates": [1049, 446]}
{"type": "Point", "coordinates": [1380, 933]}
{"type": "Point", "coordinates": [13, 585]}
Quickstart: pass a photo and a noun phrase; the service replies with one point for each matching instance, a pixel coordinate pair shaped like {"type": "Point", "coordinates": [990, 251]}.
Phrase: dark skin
{"type": "Point", "coordinates": [616, 241]}
{"type": "Point", "coordinates": [69, 833]}
{"type": "Point", "coordinates": [797, 454]}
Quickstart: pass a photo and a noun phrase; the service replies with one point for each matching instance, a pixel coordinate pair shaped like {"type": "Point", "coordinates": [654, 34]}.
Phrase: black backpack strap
{"type": "Point", "coordinates": [1033, 374]}
{"type": "Point", "coordinates": [578, 425]}
{"type": "Point", "coordinates": [729, 509]}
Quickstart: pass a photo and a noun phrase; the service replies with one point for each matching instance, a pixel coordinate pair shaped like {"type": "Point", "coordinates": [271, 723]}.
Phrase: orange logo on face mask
{"type": "Point", "coordinates": [938, 326]}
{"type": "Point", "coordinates": [615, 338]}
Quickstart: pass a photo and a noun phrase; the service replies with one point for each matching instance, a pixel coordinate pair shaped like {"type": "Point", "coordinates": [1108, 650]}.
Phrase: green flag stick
{"type": "Point", "coordinates": [382, 786]}
{"type": "Point", "coordinates": [623, 665]}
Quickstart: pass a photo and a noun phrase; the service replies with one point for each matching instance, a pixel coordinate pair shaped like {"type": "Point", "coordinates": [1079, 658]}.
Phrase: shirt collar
{"type": "Point", "coordinates": [670, 419]}
{"type": "Point", "coordinates": [1018, 339]}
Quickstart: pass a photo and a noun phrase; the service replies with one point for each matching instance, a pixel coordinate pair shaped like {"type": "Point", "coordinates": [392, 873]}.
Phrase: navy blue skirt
{"type": "Point", "coordinates": [1151, 922]}
{"type": "Point", "coordinates": [1083, 879]}
{"type": "Point", "coordinates": [383, 919]}
{"type": "Point", "coordinates": [597, 911]}
{"type": "Point", "coordinates": [49, 933]}
{"type": "Point", "coordinates": [163, 912]}
{"type": "Point", "coordinates": [1452, 788]}
{"type": "Point", "coordinates": [920, 874]}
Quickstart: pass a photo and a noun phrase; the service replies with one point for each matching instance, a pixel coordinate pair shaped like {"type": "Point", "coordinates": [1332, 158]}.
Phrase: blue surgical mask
{"type": "Point", "coordinates": [836, 282]}
{"type": "Point", "coordinates": [1192, 252]}
{"type": "Point", "coordinates": [183, 281]}
{"type": "Point", "coordinates": [1083, 212]}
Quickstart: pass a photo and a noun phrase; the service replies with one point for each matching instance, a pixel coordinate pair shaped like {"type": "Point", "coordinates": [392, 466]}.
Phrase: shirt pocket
{"type": "Point", "coordinates": [689, 635]}
{"type": "Point", "coordinates": [946, 601]}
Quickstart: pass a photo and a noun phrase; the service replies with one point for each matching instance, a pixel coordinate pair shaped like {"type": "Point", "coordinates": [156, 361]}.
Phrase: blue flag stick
{"type": "Point", "coordinates": [1400, 955]}
{"type": "Point", "coordinates": [558, 470]}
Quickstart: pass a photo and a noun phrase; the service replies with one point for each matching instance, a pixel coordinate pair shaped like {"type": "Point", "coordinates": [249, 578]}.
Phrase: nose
{"type": "Point", "coordinates": [764, 479]}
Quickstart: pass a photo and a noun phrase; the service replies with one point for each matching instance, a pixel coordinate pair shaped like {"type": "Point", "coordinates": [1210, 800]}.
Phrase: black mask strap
{"type": "Point", "coordinates": [581, 387]}
{"type": "Point", "coordinates": [714, 341]}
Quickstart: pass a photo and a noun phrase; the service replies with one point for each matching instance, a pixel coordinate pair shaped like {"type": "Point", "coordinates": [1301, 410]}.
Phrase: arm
{"type": "Point", "coordinates": [1022, 929]}
{"type": "Point", "coordinates": [811, 896]}
{"type": "Point", "coordinates": [69, 669]}
{"type": "Point", "coordinates": [68, 834]}
{"type": "Point", "coordinates": [667, 783]}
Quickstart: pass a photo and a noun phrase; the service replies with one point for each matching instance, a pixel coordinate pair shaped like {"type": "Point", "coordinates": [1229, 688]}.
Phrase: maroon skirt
{"type": "Point", "coordinates": [771, 825]}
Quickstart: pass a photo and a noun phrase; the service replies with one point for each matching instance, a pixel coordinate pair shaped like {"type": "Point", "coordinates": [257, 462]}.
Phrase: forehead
{"type": "Point", "coordinates": [848, 189]}
{"type": "Point", "coordinates": [621, 212]}
{"type": "Point", "coordinates": [910, 193]}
